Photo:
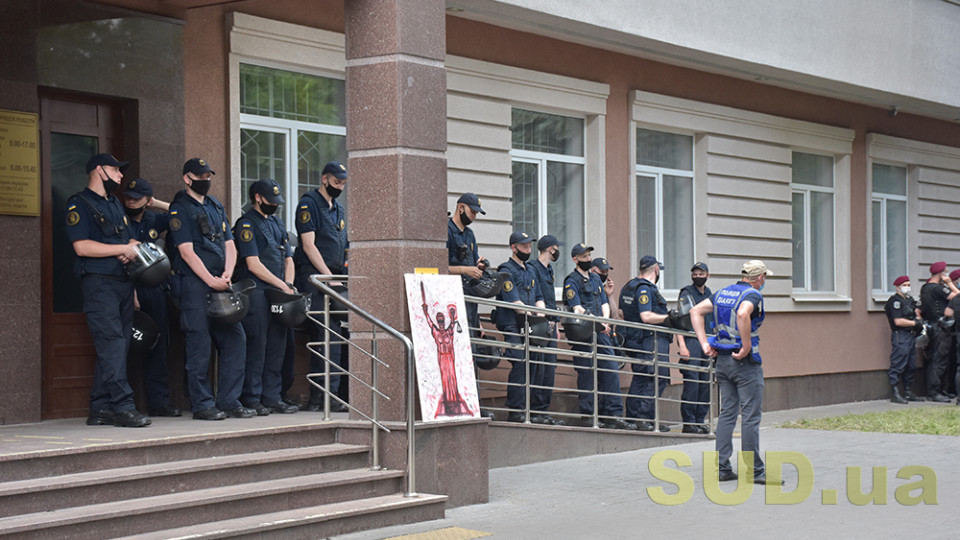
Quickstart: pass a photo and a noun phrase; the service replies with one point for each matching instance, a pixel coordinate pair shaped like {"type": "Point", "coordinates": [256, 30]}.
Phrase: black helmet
{"type": "Point", "coordinates": [484, 357]}
{"type": "Point", "coordinates": [230, 306]}
{"type": "Point", "coordinates": [287, 309]}
{"type": "Point", "coordinates": [145, 334]}
{"type": "Point", "coordinates": [150, 267]}
{"type": "Point", "coordinates": [539, 331]}
{"type": "Point", "coordinates": [488, 285]}
{"type": "Point", "coordinates": [578, 330]}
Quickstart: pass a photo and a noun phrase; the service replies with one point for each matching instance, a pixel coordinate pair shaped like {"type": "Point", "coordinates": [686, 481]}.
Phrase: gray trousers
{"type": "Point", "coordinates": [741, 393]}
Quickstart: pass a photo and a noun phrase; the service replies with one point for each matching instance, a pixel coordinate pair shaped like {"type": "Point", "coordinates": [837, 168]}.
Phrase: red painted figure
{"type": "Point", "coordinates": [451, 403]}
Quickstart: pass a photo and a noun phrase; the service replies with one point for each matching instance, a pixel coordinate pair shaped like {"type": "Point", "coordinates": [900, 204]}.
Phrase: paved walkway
{"type": "Point", "coordinates": [605, 497]}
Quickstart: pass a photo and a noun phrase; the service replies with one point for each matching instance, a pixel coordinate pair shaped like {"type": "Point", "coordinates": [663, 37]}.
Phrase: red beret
{"type": "Point", "coordinates": [954, 275]}
{"type": "Point", "coordinates": [900, 280]}
{"type": "Point", "coordinates": [937, 267]}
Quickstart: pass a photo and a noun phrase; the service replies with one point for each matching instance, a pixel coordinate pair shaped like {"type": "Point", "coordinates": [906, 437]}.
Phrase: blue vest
{"type": "Point", "coordinates": [271, 242]}
{"type": "Point", "coordinates": [522, 286]}
{"type": "Point", "coordinates": [589, 289]}
{"type": "Point", "coordinates": [203, 225]}
{"type": "Point", "coordinates": [92, 217]}
{"type": "Point", "coordinates": [329, 227]}
{"type": "Point", "coordinates": [628, 304]}
{"type": "Point", "coordinates": [726, 303]}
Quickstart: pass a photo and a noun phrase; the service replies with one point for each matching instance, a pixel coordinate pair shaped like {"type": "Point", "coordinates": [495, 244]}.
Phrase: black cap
{"type": "Point", "coordinates": [548, 240]}
{"type": "Point", "coordinates": [700, 266]}
{"type": "Point", "coordinates": [106, 159]}
{"type": "Point", "coordinates": [138, 189]}
{"type": "Point", "coordinates": [520, 237]}
{"type": "Point", "coordinates": [649, 260]}
{"type": "Point", "coordinates": [602, 264]}
{"type": "Point", "coordinates": [580, 249]}
{"type": "Point", "coordinates": [269, 189]}
{"type": "Point", "coordinates": [197, 166]}
{"type": "Point", "coordinates": [471, 200]}
{"type": "Point", "coordinates": [335, 168]}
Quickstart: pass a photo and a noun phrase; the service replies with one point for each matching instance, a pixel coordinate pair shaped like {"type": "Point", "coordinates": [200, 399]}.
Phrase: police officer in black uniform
{"type": "Point", "coordinates": [463, 255]}
{"type": "Point", "coordinates": [905, 322]}
{"type": "Point", "coordinates": [520, 289]}
{"type": "Point", "coordinates": [147, 225]}
{"type": "Point", "coordinates": [583, 293]}
{"type": "Point", "coordinates": [641, 301]}
{"type": "Point", "coordinates": [265, 256]}
{"type": "Point", "coordinates": [934, 295]}
{"type": "Point", "coordinates": [322, 249]}
{"type": "Point", "coordinates": [695, 397]}
{"type": "Point", "coordinates": [99, 231]}
{"type": "Point", "coordinates": [549, 248]}
{"type": "Point", "coordinates": [207, 257]}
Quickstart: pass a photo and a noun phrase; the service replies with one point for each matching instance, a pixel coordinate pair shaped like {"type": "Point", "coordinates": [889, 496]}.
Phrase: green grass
{"type": "Point", "coordinates": [921, 420]}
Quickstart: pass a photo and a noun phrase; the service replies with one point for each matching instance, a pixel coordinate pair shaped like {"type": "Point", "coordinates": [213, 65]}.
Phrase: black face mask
{"type": "Point", "coordinates": [465, 219]}
{"type": "Point", "coordinates": [555, 255]}
{"type": "Point", "coordinates": [656, 279]}
{"type": "Point", "coordinates": [585, 265]}
{"type": "Point", "coordinates": [603, 277]}
{"type": "Point", "coordinates": [134, 212]}
{"type": "Point", "coordinates": [200, 187]}
{"type": "Point", "coordinates": [699, 282]}
{"type": "Point", "coordinates": [268, 209]}
{"type": "Point", "coordinates": [523, 256]}
{"type": "Point", "coordinates": [109, 185]}
{"type": "Point", "coordinates": [333, 192]}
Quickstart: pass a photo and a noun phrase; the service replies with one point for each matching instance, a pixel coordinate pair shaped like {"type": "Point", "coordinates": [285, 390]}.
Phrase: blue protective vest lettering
{"type": "Point", "coordinates": [726, 303]}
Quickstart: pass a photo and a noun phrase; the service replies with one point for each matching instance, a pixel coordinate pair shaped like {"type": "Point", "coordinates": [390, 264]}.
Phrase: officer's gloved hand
{"type": "Point", "coordinates": [673, 319]}
{"type": "Point", "coordinates": [918, 325]}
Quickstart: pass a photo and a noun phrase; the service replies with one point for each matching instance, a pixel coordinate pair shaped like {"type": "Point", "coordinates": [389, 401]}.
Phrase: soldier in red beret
{"type": "Point", "coordinates": [905, 323]}
{"type": "Point", "coordinates": [934, 296]}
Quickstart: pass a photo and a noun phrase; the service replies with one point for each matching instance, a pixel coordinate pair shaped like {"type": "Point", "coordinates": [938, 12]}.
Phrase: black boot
{"type": "Point", "coordinates": [908, 393]}
{"type": "Point", "coordinates": [897, 398]}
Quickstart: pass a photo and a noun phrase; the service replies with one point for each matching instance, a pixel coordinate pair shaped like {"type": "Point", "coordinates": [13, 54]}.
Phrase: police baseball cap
{"type": "Point", "coordinates": [903, 279]}
{"type": "Point", "coordinates": [108, 160]}
{"type": "Point", "coordinates": [520, 237]}
{"type": "Point", "coordinates": [754, 268]}
{"type": "Point", "coordinates": [649, 260]}
{"type": "Point", "coordinates": [937, 267]}
{"type": "Point", "coordinates": [335, 168]}
{"type": "Point", "coordinates": [602, 264]}
{"type": "Point", "coordinates": [580, 249]}
{"type": "Point", "coordinates": [197, 166]}
{"type": "Point", "coordinates": [471, 200]}
{"type": "Point", "coordinates": [548, 240]}
{"type": "Point", "coordinates": [268, 188]}
{"type": "Point", "coordinates": [700, 266]}
{"type": "Point", "coordinates": [138, 189]}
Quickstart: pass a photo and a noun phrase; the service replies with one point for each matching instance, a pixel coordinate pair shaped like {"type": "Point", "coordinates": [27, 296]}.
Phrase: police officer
{"type": "Point", "coordinates": [207, 256]}
{"type": "Point", "coordinates": [542, 266]}
{"type": "Point", "coordinates": [602, 269]}
{"type": "Point", "coordinates": [520, 289]}
{"type": "Point", "coordinates": [265, 256]}
{"type": "Point", "coordinates": [99, 232]}
{"type": "Point", "coordinates": [905, 322]}
{"type": "Point", "coordinates": [322, 249]}
{"type": "Point", "coordinates": [934, 296]}
{"type": "Point", "coordinates": [641, 302]}
{"type": "Point", "coordinates": [148, 226]}
{"type": "Point", "coordinates": [583, 293]}
{"type": "Point", "coordinates": [739, 369]}
{"type": "Point", "coordinates": [695, 398]}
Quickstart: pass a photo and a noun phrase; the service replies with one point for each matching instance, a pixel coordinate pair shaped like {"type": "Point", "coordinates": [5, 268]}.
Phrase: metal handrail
{"type": "Point", "coordinates": [318, 281]}
{"type": "Point", "coordinates": [594, 355]}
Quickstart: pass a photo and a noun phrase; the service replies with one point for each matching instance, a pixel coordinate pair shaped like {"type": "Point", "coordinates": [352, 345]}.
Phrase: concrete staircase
{"type": "Point", "coordinates": [291, 482]}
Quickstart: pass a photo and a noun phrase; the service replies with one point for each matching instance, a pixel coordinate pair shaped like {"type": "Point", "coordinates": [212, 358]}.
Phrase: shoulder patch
{"type": "Point", "coordinates": [508, 286]}
{"type": "Point", "coordinates": [246, 235]}
{"type": "Point", "coordinates": [896, 304]}
{"type": "Point", "coordinates": [175, 224]}
{"type": "Point", "coordinates": [304, 216]}
{"type": "Point", "coordinates": [569, 294]}
{"type": "Point", "coordinates": [643, 299]}
{"type": "Point", "coordinates": [223, 226]}
{"type": "Point", "coordinates": [73, 218]}
{"type": "Point", "coordinates": [125, 222]}
{"type": "Point", "coordinates": [152, 233]}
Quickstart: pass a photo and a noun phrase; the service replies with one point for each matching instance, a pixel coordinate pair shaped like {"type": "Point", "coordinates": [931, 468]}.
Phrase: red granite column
{"type": "Point", "coordinates": [396, 142]}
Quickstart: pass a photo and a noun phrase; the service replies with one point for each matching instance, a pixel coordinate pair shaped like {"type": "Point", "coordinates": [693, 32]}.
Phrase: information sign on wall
{"type": "Point", "coordinates": [19, 164]}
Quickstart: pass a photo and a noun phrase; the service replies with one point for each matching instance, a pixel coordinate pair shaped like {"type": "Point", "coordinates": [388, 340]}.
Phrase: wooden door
{"type": "Point", "coordinates": [72, 129]}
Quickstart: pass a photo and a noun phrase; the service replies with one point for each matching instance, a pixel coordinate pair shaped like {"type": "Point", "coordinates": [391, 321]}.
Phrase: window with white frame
{"type": "Point", "coordinates": [889, 218]}
{"type": "Point", "coordinates": [813, 192]}
{"type": "Point", "coordinates": [548, 178]}
{"type": "Point", "coordinates": [291, 125]}
{"type": "Point", "coordinates": [663, 203]}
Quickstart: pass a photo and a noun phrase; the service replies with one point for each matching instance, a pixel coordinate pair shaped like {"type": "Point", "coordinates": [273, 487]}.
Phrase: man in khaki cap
{"type": "Point", "coordinates": [738, 313]}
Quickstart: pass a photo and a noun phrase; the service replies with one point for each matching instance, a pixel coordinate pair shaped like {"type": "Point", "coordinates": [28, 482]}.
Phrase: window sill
{"type": "Point", "coordinates": [820, 298]}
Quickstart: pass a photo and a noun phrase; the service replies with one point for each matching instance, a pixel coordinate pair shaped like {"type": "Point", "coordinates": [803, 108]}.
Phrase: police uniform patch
{"type": "Point", "coordinates": [73, 218]}
{"type": "Point", "coordinates": [569, 294]}
{"type": "Point", "coordinates": [276, 190]}
{"type": "Point", "coordinates": [896, 304]}
{"type": "Point", "coordinates": [644, 299]}
{"type": "Point", "coordinates": [132, 184]}
{"type": "Point", "coordinates": [304, 216]}
{"type": "Point", "coordinates": [223, 225]}
{"type": "Point", "coordinates": [152, 233]}
{"type": "Point", "coordinates": [508, 286]}
{"type": "Point", "coordinates": [174, 224]}
{"type": "Point", "coordinates": [342, 225]}
{"type": "Point", "coordinates": [246, 235]}
{"type": "Point", "coordinates": [125, 222]}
